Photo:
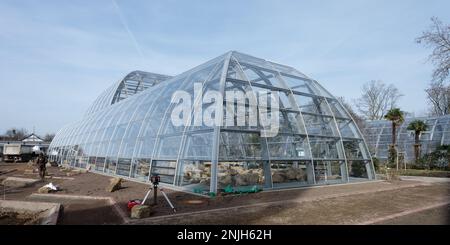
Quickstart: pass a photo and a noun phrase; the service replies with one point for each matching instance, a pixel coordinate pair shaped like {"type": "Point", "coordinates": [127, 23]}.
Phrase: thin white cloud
{"type": "Point", "coordinates": [130, 33]}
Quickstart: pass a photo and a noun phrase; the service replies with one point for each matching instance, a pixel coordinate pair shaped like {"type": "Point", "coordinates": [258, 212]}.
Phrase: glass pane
{"type": "Point", "coordinates": [169, 147]}
{"type": "Point", "coordinates": [199, 146]}
{"type": "Point", "coordinates": [110, 167]}
{"type": "Point", "coordinates": [357, 170]}
{"type": "Point", "coordinates": [324, 148]}
{"type": "Point", "coordinates": [328, 171]}
{"type": "Point", "coordinates": [165, 170]}
{"type": "Point", "coordinates": [318, 125]}
{"type": "Point", "coordinates": [124, 166]}
{"type": "Point", "coordinates": [354, 149]}
{"type": "Point", "coordinates": [140, 169]}
{"type": "Point", "coordinates": [287, 147]}
{"type": "Point", "coordinates": [195, 175]}
{"type": "Point", "coordinates": [289, 173]}
{"type": "Point", "coordinates": [240, 174]}
{"type": "Point", "coordinates": [100, 164]}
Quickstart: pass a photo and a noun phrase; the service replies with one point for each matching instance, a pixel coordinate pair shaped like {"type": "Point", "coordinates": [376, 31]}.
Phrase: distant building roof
{"type": "Point", "coordinates": [32, 138]}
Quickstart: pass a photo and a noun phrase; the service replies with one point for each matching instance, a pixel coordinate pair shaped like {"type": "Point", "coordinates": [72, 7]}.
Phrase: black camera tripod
{"type": "Point", "coordinates": [155, 181]}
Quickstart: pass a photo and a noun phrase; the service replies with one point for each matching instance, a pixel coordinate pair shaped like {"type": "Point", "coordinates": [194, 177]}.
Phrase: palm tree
{"type": "Point", "coordinates": [395, 115]}
{"type": "Point", "coordinates": [417, 126]}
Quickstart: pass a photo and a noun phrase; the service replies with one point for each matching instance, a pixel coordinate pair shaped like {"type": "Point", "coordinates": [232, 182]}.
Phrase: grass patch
{"type": "Point", "coordinates": [425, 172]}
{"type": "Point", "coordinates": [418, 172]}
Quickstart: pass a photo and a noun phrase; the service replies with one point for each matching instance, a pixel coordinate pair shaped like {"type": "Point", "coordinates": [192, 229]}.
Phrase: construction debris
{"type": "Point", "coordinates": [48, 188]}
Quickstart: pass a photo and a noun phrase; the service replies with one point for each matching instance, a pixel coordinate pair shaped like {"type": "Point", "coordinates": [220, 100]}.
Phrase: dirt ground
{"type": "Point", "coordinates": [13, 218]}
{"type": "Point", "coordinates": [334, 204]}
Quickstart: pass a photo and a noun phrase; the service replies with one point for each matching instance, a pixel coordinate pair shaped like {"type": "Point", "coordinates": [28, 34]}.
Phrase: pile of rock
{"type": "Point", "coordinates": [288, 175]}
{"type": "Point", "coordinates": [238, 176]}
{"type": "Point", "coordinates": [197, 175]}
{"type": "Point", "coordinates": [143, 169]}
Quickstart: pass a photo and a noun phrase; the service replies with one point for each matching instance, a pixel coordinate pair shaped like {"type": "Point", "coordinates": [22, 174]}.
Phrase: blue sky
{"type": "Point", "coordinates": [56, 57]}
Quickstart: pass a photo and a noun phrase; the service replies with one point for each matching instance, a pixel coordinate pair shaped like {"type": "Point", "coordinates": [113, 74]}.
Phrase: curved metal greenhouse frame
{"type": "Point", "coordinates": [127, 132]}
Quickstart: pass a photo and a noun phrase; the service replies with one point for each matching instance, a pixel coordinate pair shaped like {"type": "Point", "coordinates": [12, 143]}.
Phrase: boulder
{"type": "Point", "coordinates": [195, 180]}
{"type": "Point", "coordinates": [114, 185]}
{"type": "Point", "coordinates": [239, 180]}
{"type": "Point", "coordinates": [251, 178]}
{"type": "Point", "coordinates": [140, 211]}
{"type": "Point", "coordinates": [291, 173]}
{"type": "Point", "coordinates": [232, 171]}
{"type": "Point", "coordinates": [241, 170]}
{"type": "Point", "coordinates": [279, 177]}
{"type": "Point", "coordinates": [224, 180]}
{"type": "Point", "coordinates": [204, 181]}
{"type": "Point", "coordinates": [301, 175]}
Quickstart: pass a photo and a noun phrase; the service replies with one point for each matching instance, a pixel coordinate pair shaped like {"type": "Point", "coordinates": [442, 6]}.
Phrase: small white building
{"type": "Point", "coordinates": [32, 138]}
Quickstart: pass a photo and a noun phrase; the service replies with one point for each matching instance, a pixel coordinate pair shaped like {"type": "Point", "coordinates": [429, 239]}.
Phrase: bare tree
{"type": "Point", "coordinates": [358, 119]}
{"type": "Point", "coordinates": [438, 95]}
{"type": "Point", "coordinates": [438, 38]}
{"type": "Point", "coordinates": [15, 134]}
{"type": "Point", "coordinates": [377, 99]}
{"type": "Point", "coordinates": [49, 137]}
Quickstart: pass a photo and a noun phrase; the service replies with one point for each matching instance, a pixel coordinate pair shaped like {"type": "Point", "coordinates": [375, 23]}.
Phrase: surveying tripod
{"type": "Point", "coordinates": [155, 181]}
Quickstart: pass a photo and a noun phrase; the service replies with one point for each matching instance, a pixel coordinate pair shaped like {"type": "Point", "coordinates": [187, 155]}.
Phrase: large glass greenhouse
{"type": "Point", "coordinates": [128, 132]}
{"type": "Point", "coordinates": [378, 134]}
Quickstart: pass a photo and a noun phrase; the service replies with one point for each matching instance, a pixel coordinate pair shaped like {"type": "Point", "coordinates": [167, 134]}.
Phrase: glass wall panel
{"type": "Point", "coordinates": [347, 128]}
{"type": "Point", "coordinates": [123, 166]}
{"type": "Point", "coordinates": [357, 169]}
{"type": "Point", "coordinates": [129, 140]}
{"type": "Point", "coordinates": [288, 147]}
{"type": "Point", "coordinates": [314, 105]}
{"type": "Point", "coordinates": [355, 149]}
{"type": "Point", "coordinates": [297, 84]}
{"type": "Point", "coordinates": [318, 125]}
{"type": "Point", "coordinates": [325, 148]}
{"type": "Point", "coordinates": [240, 174]}
{"type": "Point", "coordinates": [289, 173]}
{"type": "Point", "coordinates": [165, 170]}
{"type": "Point", "coordinates": [199, 146]}
{"type": "Point", "coordinates": [111, 163]}
{"type": "Point", "coordinates": [92, 162]}
{"type": "Point", "coordinates": [194, 175]}
{"type": "Point", "coordinates": [328, 171]}
{"type": "Point", "coordinates": [169, 147]}
{"type": "Point", "coordinates": [140, 169]}
{"type": "Point", "coordinates": [231, 146]}
{"type": "Point", "coordinates": [144, 147]}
